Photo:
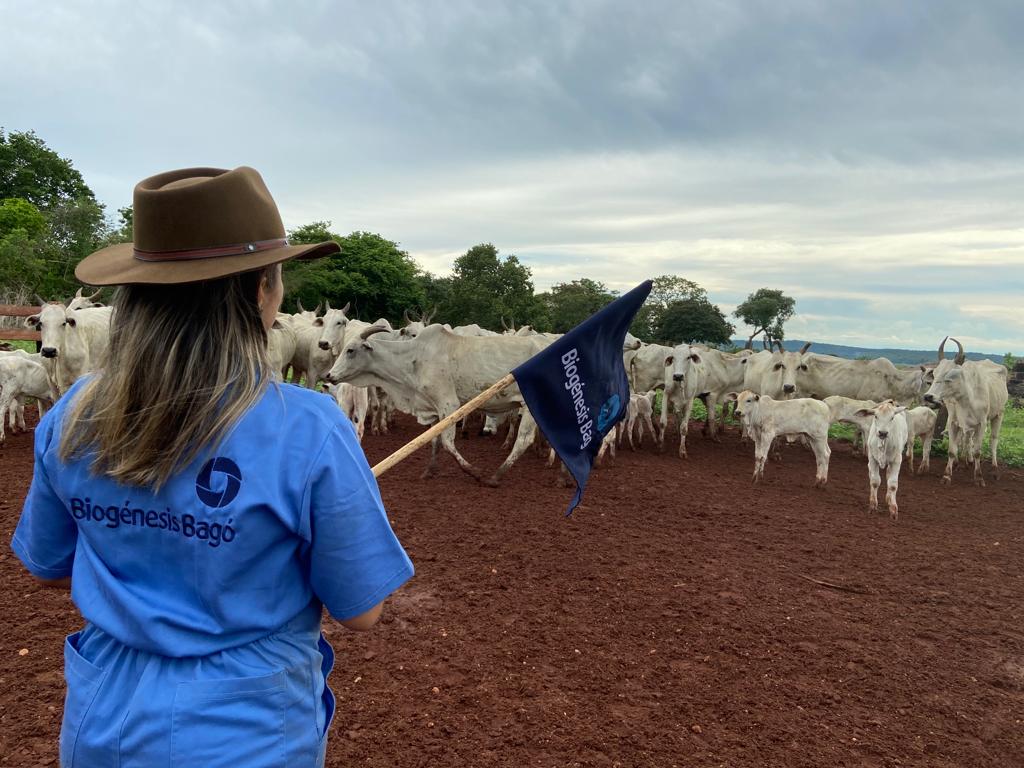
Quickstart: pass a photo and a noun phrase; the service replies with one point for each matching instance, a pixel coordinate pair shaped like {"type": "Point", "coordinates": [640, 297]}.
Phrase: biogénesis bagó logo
{"type": "Point", "coordinates": [574, 385]}
{"type": "Point", "coordinates": [219, 482]}
{"type": "Point", "coordinates": [217, 485]}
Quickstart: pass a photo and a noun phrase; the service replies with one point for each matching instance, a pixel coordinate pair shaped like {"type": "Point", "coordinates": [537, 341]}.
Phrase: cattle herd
{"type": "Point", "coordinates": [428, 370]}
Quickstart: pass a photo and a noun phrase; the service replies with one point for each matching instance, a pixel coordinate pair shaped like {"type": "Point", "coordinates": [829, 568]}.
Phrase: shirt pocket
{"type": "Point", "coordinates": [230, 723]}
{"type": "Point", "coordinates": [83, 681]}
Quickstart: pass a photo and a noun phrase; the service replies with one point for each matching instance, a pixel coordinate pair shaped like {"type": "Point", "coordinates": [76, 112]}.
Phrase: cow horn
{"type": "Point", "coordinates": [41, 301]}
{"type": "Point", "coordinates": [327, 305]}
{"type": "Point", "coordinates": [316, 309]}
{"type": "Point", "coordinates": [405, 316]}
{"type": "Point", "coordinates": [344, 310]}
{"type": "Point", "coordinates": [90, 298]}
{"type": "Point", "coordinates": [368, 332]}
{"type": "Point", "coordinates": [428, 318]}
{"type": "Point", "coordinates": [298, 303]}
{"type": "Point", "coordinates": [961, 354]}
{"type": "Point", "coordinates": [942, 349]}
{"type": "Point", "coordinates": [78, 293]}
{"type": "Point", "coordinates": [503, 325]}
{"type": "Point", "coordinates": [805, 347]}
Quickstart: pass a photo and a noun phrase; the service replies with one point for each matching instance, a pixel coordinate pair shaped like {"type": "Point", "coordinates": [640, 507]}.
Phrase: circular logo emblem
{"type": "Point", "coordinates": [218, 482]}
{"type": "Point", "coordinates": [608, 412]}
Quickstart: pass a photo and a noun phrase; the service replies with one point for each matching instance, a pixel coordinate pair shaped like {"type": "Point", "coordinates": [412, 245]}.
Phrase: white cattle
{"type": "Point", "coordinates": [920, 423]}
{"type": "Point", "coordinates": [639, 415]}
{"type": "Point", "coordinates": [774, 372]}
{"type": "Point", "coordinates": [646, 366]}
{"type": "Point", "coordinates": [412, 328]}
{"type": "Point", "coordinates": [306, 337]}
{"type": "Point", "coordinates": [431, 375]}
{"type": "Point", "coordinates": [354, 403]}
{"type": "Point", "coordinates": [886, 439]}
{"type": "Point", "coordinates": [766, 418]}
{"type": "Point", "coordinates": [22, 376]}
{"type": "Point", "coordinates": [83, 302]}
{"type": "Point", "coordinates": [281, 343]}
{"type": "Point", "coordinates": [846, 410]}
{"type": "Point", "coordinates": [683, 373]}
{"type": "Point", "coordinates": [975, 394]}
{"type": "Point", "coordinates": [74, 342]}
{"type": "Point", "coordinates": [823, 376]}
{"type": "Point", "coordinates": [473, 330]}
{"type": "Point", "coordinates": [713, 374]}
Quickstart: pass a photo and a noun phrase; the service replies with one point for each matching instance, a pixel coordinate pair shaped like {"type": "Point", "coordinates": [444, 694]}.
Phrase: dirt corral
{"type": "Point", "coordinates": [681, 616]}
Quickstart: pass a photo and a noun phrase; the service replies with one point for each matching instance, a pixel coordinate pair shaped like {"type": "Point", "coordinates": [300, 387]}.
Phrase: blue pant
{"type": "Point", "coordinates": [261, 705]}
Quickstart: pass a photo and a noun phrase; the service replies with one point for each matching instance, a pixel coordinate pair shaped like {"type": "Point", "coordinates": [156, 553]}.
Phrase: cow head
{"type": "Point", "coordinates": [52, 322]}
{"type": "Point", "coordinates": [680, 363]}
{"type": "Point", "coordinates": [83, 302]}
{"type": "Point", "coordinates": [356, 358]}
{"type": "Point", "coordinates": [784, 369]}
{"type": "Point", "coordinates": [333, 325]}
{"type": "Point", "coordinates": [945, 378]}
{"type": "Point", "coordinates": [747, 402]}
{"type": "Point", "coordinates": [884, 414]}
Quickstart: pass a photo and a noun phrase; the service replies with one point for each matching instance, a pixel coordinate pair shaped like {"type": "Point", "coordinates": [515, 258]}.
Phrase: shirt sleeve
{"type": "Point", "coordinates": [46, 535]}
{"type": "Point", "coordinates": [355, 558]}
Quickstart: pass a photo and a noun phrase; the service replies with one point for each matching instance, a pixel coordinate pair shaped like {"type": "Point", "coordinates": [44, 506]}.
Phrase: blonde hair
{"type": "Point", "coordinates": [185, 362]}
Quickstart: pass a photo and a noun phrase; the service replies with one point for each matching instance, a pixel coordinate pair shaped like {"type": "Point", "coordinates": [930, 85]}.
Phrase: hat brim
{"type": "Point", "coordinates": [117, 265]}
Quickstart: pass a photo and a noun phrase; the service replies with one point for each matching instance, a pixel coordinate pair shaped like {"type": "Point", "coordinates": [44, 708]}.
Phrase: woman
{"type": "Point", "coordinates": [200, 512]}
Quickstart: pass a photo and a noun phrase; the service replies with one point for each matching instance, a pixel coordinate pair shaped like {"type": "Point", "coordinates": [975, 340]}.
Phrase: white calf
{"type": "Point", "coordinates": [766, 419]}
{"type": "Point", "coordinates": [885, 451]}
{"type": "Point", "coordinates": [353, 401]}
{"type": "Point", "coordinates": [639, 415]}
{"type": "Point", "coordinates": [920, 423]}
{"type": "Point", "coordinates": [21, 377]}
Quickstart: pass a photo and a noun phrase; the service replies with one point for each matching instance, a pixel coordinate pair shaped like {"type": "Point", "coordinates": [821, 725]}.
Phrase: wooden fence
{"type": "Point", "coordinates": [18, 334]}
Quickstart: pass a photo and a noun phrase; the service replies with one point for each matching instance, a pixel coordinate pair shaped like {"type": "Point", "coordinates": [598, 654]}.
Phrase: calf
{"type": "Point", "coordinates": [353, 401]}
{"type": "Point", "coordinates": [765, 419]}
{"type": "Point", "coordinates": [639, 415]}
{"type": "Point", "coordinates": [885, 444]}
{"type": "Point", "coordinates": [21, 376]}
{"type": "Point", "coordinates": [920, 423]}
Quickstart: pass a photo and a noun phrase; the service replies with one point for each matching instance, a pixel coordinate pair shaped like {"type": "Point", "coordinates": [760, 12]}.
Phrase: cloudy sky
{"type": "Point", "coordinates": [865, 157]}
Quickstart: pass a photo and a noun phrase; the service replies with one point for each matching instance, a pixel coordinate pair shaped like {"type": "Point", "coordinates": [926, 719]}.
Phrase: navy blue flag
{"type": "Point", "coordinates": [577, 388]}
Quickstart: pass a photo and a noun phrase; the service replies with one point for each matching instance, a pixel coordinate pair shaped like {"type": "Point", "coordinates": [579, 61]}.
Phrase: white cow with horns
{"type": "Point", "coordinates": [887, 436]}
{"type": "Point", "coordinates": [431, 375]}
{"type": "Point", "coordinates": [975, 394]}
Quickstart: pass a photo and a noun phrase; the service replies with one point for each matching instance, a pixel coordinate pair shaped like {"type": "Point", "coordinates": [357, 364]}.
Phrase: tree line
{"type": "Point", "coordinates": [50, 220]}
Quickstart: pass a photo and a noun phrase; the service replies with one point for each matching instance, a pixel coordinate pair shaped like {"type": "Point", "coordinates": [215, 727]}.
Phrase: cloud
{"type": "Point", "coordinates": [863, 156]}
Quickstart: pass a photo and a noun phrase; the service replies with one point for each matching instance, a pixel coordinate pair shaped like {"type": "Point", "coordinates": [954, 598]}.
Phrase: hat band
{"type": "Point", "coordinates": [237, 249]}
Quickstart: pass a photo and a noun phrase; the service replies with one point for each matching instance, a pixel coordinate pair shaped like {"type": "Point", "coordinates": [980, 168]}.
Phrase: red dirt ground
{"type": "Point", "coordinates": [671, 620]}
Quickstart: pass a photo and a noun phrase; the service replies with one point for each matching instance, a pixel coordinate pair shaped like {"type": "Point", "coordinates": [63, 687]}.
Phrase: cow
{"type": "Point", "coordinates": [766, 418]}
{"type": "Point", "coordinates": [281, 343]}
{"type": "Point", "coordinates": [73, 342]}
{"type": "Point", "coordinates": [975, 394]}
{"type": "Point", "coordinates": [431, 375]}
{"type": "Point", "coordinates": [22, 375]}
{"type": "Point", "coordinates": [774, 372]}
{"type": "Point", "coordinates": [413, 328]}
{"type": "Point", "coordinates": [886, 440]}
{"type": "Point", "coordinates": [646, 366]}
{"type": "Point", "coordinates": [846, 410]}
{"type": "Point", "coordinates": [822, 376]}
{"type": "Point", "coordinates": [920, 423]}
{"type": "Point", "coordinates": [683, 373]}
{"type": "Point", "coordinates": [718, 373]}
{"type": "Point", "coordinates": [639, 415]}
{"type": "Point", "coordinates": [354, 403]}
{"type": "Point", "coordinates": [473, 330]}
{"type": "Point", "coordinates": [84, 302]}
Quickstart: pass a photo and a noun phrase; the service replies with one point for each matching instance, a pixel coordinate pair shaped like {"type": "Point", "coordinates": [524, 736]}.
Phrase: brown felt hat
{"type": "Point", "coordinates": [198, 224]}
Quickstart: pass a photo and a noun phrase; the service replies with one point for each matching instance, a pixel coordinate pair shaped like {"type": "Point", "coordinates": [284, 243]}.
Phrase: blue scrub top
{"type": "Point", "coordinates": [283, 515]}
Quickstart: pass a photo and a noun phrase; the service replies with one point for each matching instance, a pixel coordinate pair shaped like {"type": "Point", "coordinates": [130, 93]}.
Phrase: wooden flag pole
{"type": "Point", "coordinates": [414, 445]}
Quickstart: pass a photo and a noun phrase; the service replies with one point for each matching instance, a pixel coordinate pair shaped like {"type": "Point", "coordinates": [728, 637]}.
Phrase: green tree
{"type": "Point", "coordinates": [34, 172]}
{"type": "Point", "coordinates": [485, 287]}
{"type": "Point", "coordinates": [17, 213]}
{"type": "Point", "coordinates": [21, 268]}
{"type": "Point", "coordinates": [569, 304]}
{"type": "Point", "coordinates": [1009, 361]}
{"type": "Point", "coordinates": [766, 311]}
{"type": "Point", "coordinates": [692, 321]}
{"type": "Point", "coordinates": [372, 272]}
{"type": "Point", "coordinates": [75, 228]}
{"type": "Point", "coordinates": [666, 289]}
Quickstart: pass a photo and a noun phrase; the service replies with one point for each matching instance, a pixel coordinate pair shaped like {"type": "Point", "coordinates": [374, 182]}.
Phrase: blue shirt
{"type": "Point", "coordinates": [283, 515]}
